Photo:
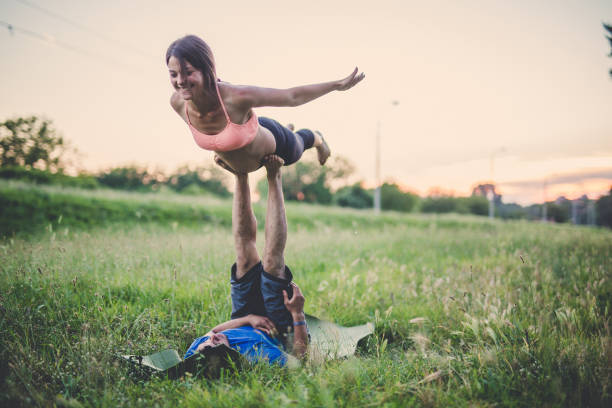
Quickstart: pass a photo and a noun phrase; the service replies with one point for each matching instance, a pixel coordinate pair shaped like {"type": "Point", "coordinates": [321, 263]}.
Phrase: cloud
{"type": "Point", "coordinates": [564, 178]}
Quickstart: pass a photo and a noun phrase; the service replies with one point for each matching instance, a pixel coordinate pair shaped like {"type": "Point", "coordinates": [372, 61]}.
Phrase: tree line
{"type": "Point", "coordinates": [31, 149]}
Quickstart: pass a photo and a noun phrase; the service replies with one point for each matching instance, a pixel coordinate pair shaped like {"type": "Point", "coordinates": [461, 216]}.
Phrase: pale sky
{"type": "Point", "coordinates": [523, 82]}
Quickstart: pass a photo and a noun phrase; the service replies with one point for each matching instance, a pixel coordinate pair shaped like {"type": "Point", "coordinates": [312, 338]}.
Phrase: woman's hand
{"type": "Point", "coordinates": [262, 323]}
{"type": "Point", "coordinates": [350, 81]}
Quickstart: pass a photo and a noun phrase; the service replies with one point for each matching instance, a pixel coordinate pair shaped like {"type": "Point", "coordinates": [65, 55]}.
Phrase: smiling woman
{"type": "Point", "coordinates": [221, 118]}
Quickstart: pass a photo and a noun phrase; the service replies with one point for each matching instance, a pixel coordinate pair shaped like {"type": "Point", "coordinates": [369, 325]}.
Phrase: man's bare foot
{"type": "Point", "coordinates": [323, 151]}
{"type": "Point", "coordinates": [273, 163]}
{"type": "Point", "coordinates": [219, 162]}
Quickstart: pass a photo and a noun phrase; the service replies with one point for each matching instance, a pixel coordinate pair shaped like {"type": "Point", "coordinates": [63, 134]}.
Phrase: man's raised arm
{"type": "Point", "coordinates": [295, 305]}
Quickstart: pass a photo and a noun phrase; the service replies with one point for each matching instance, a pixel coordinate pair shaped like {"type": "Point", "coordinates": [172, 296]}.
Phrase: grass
{"type": "Point", "coordinates": [467, 312]}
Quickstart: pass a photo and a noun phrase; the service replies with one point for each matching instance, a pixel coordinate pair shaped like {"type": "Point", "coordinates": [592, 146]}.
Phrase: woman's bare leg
{"type": "Point", "coordinates": [320, 144]}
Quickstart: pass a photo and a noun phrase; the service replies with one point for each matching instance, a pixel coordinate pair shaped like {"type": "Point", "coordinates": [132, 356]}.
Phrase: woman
{"type": "Point", "coordinates": [220, 114]}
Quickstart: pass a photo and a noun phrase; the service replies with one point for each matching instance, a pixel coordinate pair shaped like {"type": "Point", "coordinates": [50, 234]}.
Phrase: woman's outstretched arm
{"type": "Point", "coordinates": [252, 96]}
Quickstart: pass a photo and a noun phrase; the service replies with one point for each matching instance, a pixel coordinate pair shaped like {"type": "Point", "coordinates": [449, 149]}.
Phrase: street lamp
{"type": "Point", "coordinates": [491, 193]}
{"type": "Point", "coordinates": [377, 194]}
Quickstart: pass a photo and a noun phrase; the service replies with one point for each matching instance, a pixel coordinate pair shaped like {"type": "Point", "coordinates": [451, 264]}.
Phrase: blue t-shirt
{"type": "Point", "coordinates": [253, 344]}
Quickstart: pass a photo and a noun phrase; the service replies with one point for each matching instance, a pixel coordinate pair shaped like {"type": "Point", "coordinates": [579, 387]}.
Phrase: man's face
{"type": "Point", "coordinates": [214, 339]}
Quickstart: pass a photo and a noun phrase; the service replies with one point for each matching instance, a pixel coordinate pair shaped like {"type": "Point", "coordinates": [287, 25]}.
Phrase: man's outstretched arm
{"type": "Point", "coordinates": [295, 305]}
{"type": "Point", "coordinates": [257, 322]}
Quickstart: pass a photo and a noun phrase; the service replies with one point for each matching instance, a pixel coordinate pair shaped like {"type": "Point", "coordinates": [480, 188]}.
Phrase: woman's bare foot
{"type": "Point", "coordinates": [323, 151]}
{"type": "Point", "coordinates": [219, 161]}
{"type": "Point", "coordinates": [273, 163]}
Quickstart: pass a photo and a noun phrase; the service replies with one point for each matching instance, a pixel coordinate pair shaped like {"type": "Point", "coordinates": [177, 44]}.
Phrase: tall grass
{"type": "Point", "coordinates": [467, 312]}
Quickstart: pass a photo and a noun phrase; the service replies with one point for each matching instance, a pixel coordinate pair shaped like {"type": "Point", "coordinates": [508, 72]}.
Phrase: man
{"type": "Point", "coordinates": [265, 301]}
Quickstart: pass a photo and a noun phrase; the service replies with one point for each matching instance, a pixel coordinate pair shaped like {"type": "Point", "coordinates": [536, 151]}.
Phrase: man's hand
{"type": "Point", "coordinates": [295, 305]}
{"type": "Point", "coordinates": [262, 323]}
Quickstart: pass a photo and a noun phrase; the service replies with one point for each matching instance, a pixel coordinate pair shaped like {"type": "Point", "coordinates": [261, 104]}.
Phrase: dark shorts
{"type": "Point", "coordinates": [289, 145]}
{"type": "Point", "coordinates": [260, 293]}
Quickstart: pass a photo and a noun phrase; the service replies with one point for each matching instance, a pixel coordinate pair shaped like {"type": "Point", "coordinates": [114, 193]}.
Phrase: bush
{"type": "Point", "coordinates": [558, 212]}
{"type": "Point", "coordinates": [128, 178]}
{"type": "Point", "coordinates": [31, 210]}
{"type": "Point", "coordinates": [512, 211]}
{"type": "Point", "coordinates": [392, 198]}
{"type": "Point", "coordinates": [201, 180]}
{"type": "Point", "coordinates": [477, 205]}
{"type": "Point", "coordinates": [46, 177]}
{"type": "Point", "coordinates": [354, 196]}
{"type": "Point", "coordinates": [443, 204]}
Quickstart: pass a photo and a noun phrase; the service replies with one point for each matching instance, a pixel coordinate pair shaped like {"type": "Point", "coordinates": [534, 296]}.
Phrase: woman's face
{"type": "Point", "coordinates": [187, 82]}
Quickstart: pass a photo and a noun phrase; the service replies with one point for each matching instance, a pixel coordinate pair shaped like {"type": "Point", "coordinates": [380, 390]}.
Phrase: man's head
{"type": "Point", "coordinates": [214, 339]}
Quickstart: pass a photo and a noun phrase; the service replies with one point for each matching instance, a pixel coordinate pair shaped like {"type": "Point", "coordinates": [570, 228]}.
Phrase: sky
{"type": "Point", "coordinates": [515, 92]}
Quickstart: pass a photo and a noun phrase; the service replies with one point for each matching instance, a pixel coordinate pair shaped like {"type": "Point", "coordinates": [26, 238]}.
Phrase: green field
{"type": "Point", "coordinates": [467, 312]}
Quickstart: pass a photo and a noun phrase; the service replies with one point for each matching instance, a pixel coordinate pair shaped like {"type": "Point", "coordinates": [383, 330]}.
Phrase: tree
{"type": "Point", "coordinates": [603, 207]}
{"type": "Point", "coordinates": [392, 198]}
{"type": "Point", "coordinates": [477, 205]}
{"type": "Point", "coordinates": [354, 196]}
{"type": "Point", "coordinates": [609, 30]}
{"type": "Point", "coordinates": [306, 181]}
{"type": "Point", "coordinates": [31, 142]}
{"type": "Point", "coordinates": [310, 182]}
{"type": "Point", "coordinates": [210, 178]}
{"type": "Point", "coordinates": [558, 211]}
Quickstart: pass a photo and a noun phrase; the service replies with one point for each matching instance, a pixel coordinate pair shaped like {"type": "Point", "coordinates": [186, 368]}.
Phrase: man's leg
{"type": "Point", "coordinates": [246, 272]}
{"type": "Point", "coordinates": [276, 276]}
{"type": "Point", "coordinates": [244, 227]}
{"type": "Point", "coordinates": [276, 221]}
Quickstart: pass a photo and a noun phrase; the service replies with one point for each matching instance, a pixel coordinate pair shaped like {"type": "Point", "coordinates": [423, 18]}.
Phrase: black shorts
{"type": "Point", "coordinates": [289, 145]}
{"type": "Point", "coordinates": [260, 293]}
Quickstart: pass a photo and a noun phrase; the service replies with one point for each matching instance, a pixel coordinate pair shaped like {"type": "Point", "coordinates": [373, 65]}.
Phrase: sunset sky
{"type": "Point", "coordinates": [517, 91]}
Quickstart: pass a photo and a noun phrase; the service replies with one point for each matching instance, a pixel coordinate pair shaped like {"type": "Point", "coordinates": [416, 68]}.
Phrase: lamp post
{"type": "Point", "coordinates": [544, 208]}
{"type": "Point", "coordinates": [377, 164]}
{"type": "Point", "coordinates": [377, 193]}
{"type": "Point", "coordinates": [491, 192]}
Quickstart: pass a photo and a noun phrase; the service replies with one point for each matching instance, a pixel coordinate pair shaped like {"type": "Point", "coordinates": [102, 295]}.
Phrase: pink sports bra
{"type": "Point", "coordinates": [232, 137]}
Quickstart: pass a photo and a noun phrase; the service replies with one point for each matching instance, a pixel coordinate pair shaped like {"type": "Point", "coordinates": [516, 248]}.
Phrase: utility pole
{"type": "Point", "coordinates": [377, 191]}
{"type": "Point", "coordinates": [544, 215]}
{"type": "Point", "coordinates": [491, 193]}
{"type": "Point", "coordinates": [574, 211]}
{"type": "Point", "coordinates": [591, 213]}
